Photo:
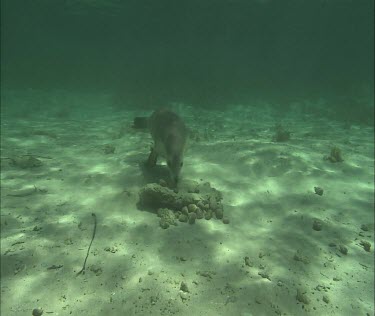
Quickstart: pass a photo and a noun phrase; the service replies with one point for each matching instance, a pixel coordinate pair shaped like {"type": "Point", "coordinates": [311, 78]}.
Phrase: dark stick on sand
{"type": "Point", "coordinates": [88, 250]}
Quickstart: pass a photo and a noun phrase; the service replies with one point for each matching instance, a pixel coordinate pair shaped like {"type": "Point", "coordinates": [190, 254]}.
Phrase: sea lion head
{"type": "Point", "coordinates": [175, 156]}
{"type": "Point", "coordinates": [175, 163]}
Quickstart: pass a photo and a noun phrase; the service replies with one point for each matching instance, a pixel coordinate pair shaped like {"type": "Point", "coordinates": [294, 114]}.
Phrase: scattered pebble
{"type": "Point", "coordinates": [37, 312]}
{"type": "Point", "coordinates": [200, 205]}
{"type": "Point", "coordinates": [184, 287]}
{"type": "Point", "coordinates": [192, 208]}
{"type": "Point", "coordinates": [264, 275]}
{"type": "Point", "coordinates": [199, 213]}
{"type": "Point", "coordinates": [96, 269]}
{"type": "Point", "coordinates": [183, 218]}
{"type": "Point", "coordinates": [300, 257]}
{"type": "Point", "coordinates": [213, 204]}
{"type": "Point", "coordinates": [219, 213]}
{"type": "Point", "coordinates": [208, 214]}
{"type": "Point", "coordinates": [185, 210]}
{"type": "Point", "coordinates": [163, 223]}
{"type": "Point", "coordinates": [184, 295]}
{"type": "Point", "coordinates": [206, 274]}
{"type": "Point", "coordinates": [317, 225]}
{"type": "Point", "coordinates": [336, 279]}
{"type": "Point", "coordinates": [112, 249]}
{"type": "Point", "coordinates": [248, 262]}
{"type": "Point", "coordinates": [318, 191]}
{"type": "Point", "coordinates": [343, 249]}
{"type": "Point", "coordinates": [302, 297]}
{"type": "Point", "coordinates": [226, 220]}
{"type": "Point", "coordinates": [325, 299]}
{"type": "Point", "coordinates": [192, 217]}
{"type": "Point", "coordinates": [366, 245]}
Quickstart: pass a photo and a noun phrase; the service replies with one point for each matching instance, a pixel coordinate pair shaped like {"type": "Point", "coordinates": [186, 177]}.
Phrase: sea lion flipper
{"type": "Point", "coordinates": [152, 158]}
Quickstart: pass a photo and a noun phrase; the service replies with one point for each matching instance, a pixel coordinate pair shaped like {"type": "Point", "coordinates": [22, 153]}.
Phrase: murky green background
{"type": "Point", "coordinates": [209, 53]}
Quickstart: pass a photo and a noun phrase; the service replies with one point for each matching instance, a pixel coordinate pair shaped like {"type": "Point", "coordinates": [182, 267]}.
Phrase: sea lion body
{"type": "Point", "coordinates": [169, 134]}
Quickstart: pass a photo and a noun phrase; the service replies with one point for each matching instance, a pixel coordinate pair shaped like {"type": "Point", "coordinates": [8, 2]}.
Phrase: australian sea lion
{"type": "Point", "coordinates": [169, 134]}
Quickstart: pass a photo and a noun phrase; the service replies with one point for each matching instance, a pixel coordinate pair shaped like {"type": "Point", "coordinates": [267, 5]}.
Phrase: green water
{"type": "Point", "coordinates": [210, 53]}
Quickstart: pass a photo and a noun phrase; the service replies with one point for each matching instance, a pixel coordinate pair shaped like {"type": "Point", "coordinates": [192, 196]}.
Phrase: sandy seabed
{"type": "Point", "coordinates": [270, 259]}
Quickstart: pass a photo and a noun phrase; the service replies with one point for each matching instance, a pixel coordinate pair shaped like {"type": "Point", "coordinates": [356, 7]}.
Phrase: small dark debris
{"type": "Point", "coordinates": [37, 312]}
{"type": "Point", "coordinates": [343, 249]}
{"type": "Point", "coordinates": [55, 267]}
{"type": "Point", "coordinates": [366, 245]}
{"type": "Point", "coordinates": [318, 191]}
{"type": "Point", "coordinates": [248, 262]}
{"type": "Point", "coordinates": [184, 287]}
{"type": "Point", "coordinates": [302, 297]}
{"type": "Point", "coordinates": [317, 225]}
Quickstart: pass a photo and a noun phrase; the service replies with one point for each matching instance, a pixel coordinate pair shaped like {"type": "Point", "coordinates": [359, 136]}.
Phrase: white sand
{"type": "Point", "coordinates": [268, 190]}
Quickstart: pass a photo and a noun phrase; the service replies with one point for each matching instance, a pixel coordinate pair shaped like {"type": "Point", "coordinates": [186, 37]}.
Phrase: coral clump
{"type": "Point", "coordinates": [191, 203]}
